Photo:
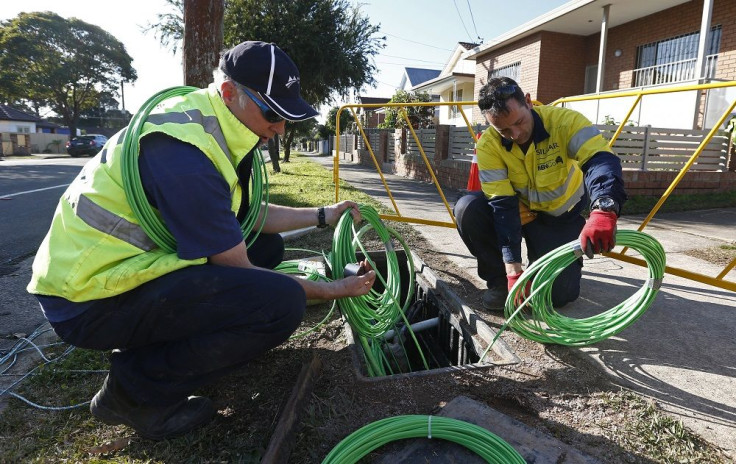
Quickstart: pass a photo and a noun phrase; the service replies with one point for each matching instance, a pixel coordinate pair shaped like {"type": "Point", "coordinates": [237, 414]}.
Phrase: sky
{"type": "Point", "coordinates": [419, 34]}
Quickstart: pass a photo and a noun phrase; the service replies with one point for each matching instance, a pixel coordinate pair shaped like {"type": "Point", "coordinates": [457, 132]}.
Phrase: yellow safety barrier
{"type": "Point", "coordinates": [716, 281]}
{"type": "Point", "coordinates": [719, 280]}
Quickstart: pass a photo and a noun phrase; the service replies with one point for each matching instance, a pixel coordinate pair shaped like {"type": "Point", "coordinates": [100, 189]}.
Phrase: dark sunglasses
{"type": "Point", "coordinates": [269, 114]}
{"type": "Point", "coordinates": [505, 92]}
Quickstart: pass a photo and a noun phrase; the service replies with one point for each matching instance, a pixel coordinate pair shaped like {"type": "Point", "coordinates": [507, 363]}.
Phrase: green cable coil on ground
{"type": "Point", "coordinates": [149, 220]}
{"type": "Point", "coordinates": [372, 315]}
{"type": "Point", "coordinates": [372, 436]}
{"type": "Point", "coordinates": [545, 325]}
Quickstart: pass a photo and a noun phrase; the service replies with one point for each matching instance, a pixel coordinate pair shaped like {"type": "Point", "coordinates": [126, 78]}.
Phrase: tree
{"type": "Point", "coordinates": [169, 29]}
{"type": "Point", "coordinates": [202, 39]}
{"type": "Point", "coordinates": [65, 64]}
{"type": "Point", "coordinates": [330, 41]}
{"type": "Point", "coordinates": [301, 129]}
{"type": "Point", "coordinates": [346, 119]}
{"type": "Point", "coordinates": [419, 116]}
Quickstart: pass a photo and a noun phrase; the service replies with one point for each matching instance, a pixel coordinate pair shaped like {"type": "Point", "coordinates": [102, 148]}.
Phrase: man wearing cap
{"type": "Point", "coordinates": [540, 168]}
{"type": "Point", "coordinates": [178, 321]}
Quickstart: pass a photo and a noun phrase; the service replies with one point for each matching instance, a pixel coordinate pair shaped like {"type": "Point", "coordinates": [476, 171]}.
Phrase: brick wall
{"type": "Point", "coordinates": [678, 20]}
{"type": "Point", "coordinates": [526, 51]}
{"type": "Point", "coordinates": [553, 64]}
{"type": "Point", "coordinates": [562, 66]}
{"type": "Point", "coordinates": [654, 183]}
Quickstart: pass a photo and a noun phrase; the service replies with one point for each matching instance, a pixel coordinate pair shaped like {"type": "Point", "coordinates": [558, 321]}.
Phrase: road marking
{"type": "Point", "coordinates": [5, 197]}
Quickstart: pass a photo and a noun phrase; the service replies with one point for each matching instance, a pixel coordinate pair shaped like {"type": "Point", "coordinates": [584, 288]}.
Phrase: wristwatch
{"type": "Point", "coordinates": [605, 204]}
{"type": "Point", "coordinates": [321, 223]}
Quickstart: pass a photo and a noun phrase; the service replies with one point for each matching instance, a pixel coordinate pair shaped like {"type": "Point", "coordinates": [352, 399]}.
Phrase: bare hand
{"type": "Point", "coordinates": [356, 285]}
{"type": "Point", "coordinates": [333, 213]}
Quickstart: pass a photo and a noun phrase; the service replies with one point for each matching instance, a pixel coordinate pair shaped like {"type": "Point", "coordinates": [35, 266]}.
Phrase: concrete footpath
{"type": "Point", "coordinates": [681, 352]}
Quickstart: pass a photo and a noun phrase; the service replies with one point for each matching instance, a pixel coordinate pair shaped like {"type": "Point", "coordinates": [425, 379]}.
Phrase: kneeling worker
{"type": "Point", "coordinates": [177, 321]}
{"type": "Point", "coordinates": [554, 165]}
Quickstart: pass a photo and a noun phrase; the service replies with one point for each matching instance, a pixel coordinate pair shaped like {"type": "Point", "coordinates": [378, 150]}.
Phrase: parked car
{"type": "Point", "coordinates": [88, 144]}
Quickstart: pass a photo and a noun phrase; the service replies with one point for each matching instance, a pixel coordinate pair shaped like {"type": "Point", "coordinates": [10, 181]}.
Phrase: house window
{"type": "Point", "coordinates": [511, 71]}
{"type": "Point", "coordinates": [673, 59]}
{"type": "Point", "coordinates": [23, 129]}
{"type": "Point", "coordinates": [453, 111]}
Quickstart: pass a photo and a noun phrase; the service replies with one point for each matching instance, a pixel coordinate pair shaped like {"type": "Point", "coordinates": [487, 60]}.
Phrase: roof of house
{"type": "Point", "coordinates": [49, 124]}
{"type": "Point", "coordinates": [372, 100]}
{"type": "Point", "coordinates": [418, 75]}
{"type": "Point", "coordinates": [8, 113]}
{"type": "Point", "coordinates": [468, 45]}
{"type": "Point", "coordinates": [579, 17]}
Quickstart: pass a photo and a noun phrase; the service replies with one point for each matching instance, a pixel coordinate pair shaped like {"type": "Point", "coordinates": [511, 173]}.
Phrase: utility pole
{"type": "Point", "coordinates": [203, 37]}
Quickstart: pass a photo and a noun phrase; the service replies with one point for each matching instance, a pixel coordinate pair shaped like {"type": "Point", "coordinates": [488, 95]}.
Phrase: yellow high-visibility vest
{"type": "Point", "coordinates": [548, 177]}
{"type": "Point", "coordinates": [96, 247]}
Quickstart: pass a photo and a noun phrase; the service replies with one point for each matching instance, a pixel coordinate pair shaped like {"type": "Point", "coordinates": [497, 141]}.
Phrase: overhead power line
{"type": "Point", "coordinates": [472, 18]}
{"type": "Point", "coordinates": [411, 59]}
{"type": "Point", "coordinates": [454, 2]}
{"type": "Point", "coordinates": [419, 43]}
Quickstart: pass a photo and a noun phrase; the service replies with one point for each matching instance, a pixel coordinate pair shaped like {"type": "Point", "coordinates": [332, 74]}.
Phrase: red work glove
{"type": "Point", "coordinates": [599, 233]}
{"type": "Point", "coordinates": [524, 294]}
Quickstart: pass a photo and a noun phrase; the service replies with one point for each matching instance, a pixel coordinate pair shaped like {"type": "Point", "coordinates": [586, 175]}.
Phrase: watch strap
{"type": "Point", "coordinates": [321, 222]}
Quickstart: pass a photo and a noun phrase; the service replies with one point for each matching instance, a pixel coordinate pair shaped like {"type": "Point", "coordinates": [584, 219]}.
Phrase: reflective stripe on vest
{"type": "Point", "coordinates": [194, 116]}
{"type": "Point", "coordinates": [109, 223]}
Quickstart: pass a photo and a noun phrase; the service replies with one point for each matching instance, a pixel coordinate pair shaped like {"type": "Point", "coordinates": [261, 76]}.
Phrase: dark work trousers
{"type": "Point", "coordinates": [475, 224]}
{"type": "Point", "coordinates": [187, 328]}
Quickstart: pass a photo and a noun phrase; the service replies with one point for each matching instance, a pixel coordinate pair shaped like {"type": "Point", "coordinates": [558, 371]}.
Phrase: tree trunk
{"type": "Point", "coordinates": [203, 25]}
{"type": "Point", "coordinates": [273, 152]}
{"type": "Point", "coordinates": [289, 136]}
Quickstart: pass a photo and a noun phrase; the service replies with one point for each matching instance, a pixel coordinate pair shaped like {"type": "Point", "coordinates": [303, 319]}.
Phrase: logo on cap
{"type": "Point", "coordinates": [292, 80]}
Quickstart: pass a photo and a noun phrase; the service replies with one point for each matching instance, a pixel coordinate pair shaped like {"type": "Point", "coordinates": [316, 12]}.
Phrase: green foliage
{"type": "Point", "coordinates": [345, 121]}
{"type": "Point", "coordinates": [638, 204]}
{"type": "Point", "coordinates": [330, 41]}
{"type": "Point", "coordinates": [322, 132]}
{"type": "Point", "coordinates": [419, 116]}
{"type": "Point", "coordinates": [169, 30]}
{"type": "Point", "coordinates": [608, 120]}
{"type": "Point", "coordinates": [66, 64]}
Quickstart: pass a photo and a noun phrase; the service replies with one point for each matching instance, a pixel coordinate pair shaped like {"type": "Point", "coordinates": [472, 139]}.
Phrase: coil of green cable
{"type": "Point", "coordinates": [149, 220]}
{"type": "Point", "coordinates": [372, 315]}
{"type": "Point", "coordinates": [545, 325]}
{"type": "Point", "coordinates": [372, 436]}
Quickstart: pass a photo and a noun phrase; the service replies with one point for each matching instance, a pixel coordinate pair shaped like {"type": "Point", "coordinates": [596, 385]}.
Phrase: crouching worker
{"type": "Point", "coordinates": [540, 168]}
{"type": "Point", "coordinates": [178, 321]}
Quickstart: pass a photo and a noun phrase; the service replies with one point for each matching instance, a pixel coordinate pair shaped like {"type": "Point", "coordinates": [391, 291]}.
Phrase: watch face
{"type": "Point", "coordinates": [606, 204]}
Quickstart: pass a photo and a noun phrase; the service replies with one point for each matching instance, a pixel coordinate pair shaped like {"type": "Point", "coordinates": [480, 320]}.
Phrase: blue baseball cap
{"type": "Point", "coordinates": [266, 69]}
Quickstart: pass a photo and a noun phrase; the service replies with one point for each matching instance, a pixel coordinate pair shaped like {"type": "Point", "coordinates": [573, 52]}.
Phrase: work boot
{"type": "Point", "coordinates": [494, 299]}
{"type": "Point", "coordinates": [113, 407]}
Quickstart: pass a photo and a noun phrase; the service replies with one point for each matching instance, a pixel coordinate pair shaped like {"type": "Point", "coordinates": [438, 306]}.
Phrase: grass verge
{"type": "Point", "coordinates": [253, 398]}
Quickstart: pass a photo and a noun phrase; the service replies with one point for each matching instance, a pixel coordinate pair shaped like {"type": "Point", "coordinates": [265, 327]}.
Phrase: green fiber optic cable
{"type": "Point", "coordinates": [147, 216]}
{"type": "Point", "coordinates": [545, 325]}
{"type": "Point", "coordinates": [372, 315]}
{"type": "Point", "coordinates": [372, 436]}
{"type": "Point", "coordinates": [293, 267]}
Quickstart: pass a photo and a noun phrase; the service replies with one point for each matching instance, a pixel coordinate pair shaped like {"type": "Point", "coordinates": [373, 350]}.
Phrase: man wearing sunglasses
{"type": "Point", "coordinates": [178, 321]}
{"type": "Point", "coordinates": [540, 168]}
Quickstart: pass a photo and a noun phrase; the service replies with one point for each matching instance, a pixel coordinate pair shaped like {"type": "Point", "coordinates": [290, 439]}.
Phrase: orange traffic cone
{"type": "Point", "coordinates": [474, 178]}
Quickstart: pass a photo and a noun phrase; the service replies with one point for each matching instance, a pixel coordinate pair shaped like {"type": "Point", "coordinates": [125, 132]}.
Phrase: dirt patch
{"type": "Point", "coordinates": [720, 255]}
{"type": "Point", "coordinates": [551, 389]}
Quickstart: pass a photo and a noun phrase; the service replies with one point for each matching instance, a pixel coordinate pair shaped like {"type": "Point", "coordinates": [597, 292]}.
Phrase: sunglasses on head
{"type": "Point", "coordinates": [269, 114]}
{"type": "Point", "coordinates": [505, 92]}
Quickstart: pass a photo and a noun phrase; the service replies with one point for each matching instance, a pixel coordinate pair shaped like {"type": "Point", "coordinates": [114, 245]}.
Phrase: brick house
{"type": "Point", "coordinates": [454, 84]}
{"type": "Point", "coordinates": [645, 44]}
